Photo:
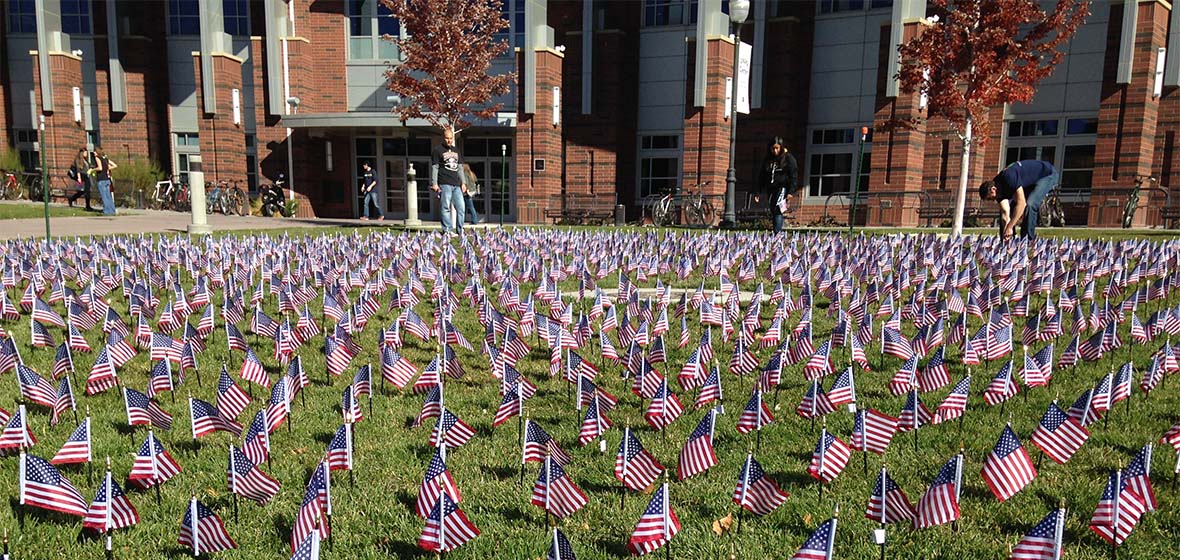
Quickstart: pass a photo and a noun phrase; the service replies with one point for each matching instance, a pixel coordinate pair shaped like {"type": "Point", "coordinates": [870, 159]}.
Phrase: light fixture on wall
{"type": "Point", "coordinates": [236, 94]}
{"type": "Point", "coordinates": [77, 104]}
{"type": "Point", "coordinates": [556, 106]}
{"type": "Point", "coordinates": [328, 155]}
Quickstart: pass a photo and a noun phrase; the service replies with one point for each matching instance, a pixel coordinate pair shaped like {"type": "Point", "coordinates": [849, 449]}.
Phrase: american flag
{"type": "Point", "coordinates": [153, 464]}
{"type": "Point", "coordinates": [231, 400]}
{"type": "Point", "coordinates": [663, 409]}
{"type": "Point", "coordinates": [894, 344]}
{"type": "Point", "coordinates": [253, 370]}
{"type": "Point", "coordinates": [17, 433]}
{"type": "Point", "coordinates": [1172, 437]}
{"type": "Point", "coordinates": [234, 338]}
{"type": "Point", "coordinates": [820, 544]}
{"type": "Point", "coordinates": [829, 457]}
{"type": "Point", "coordinates": [278, 406]}
{"type": "Point", "coordinates": [431, 406]}
{"type": "Point", "coordinates": [594, 423]}
{"type": "Point", "coordinates": [63, 361]}
{"type": "Point", "coordinates": [755, 416]}
{"type": "Point", "coordinates": [1002, 387]}
{"type": "Point", "coordinates": [711, 389]}
{"type": "Point", "coordinates": [39, 336]}
{"type": "Point", "coordinates": [43, 313]}
{"type": "Point", "coordinates": [447, 527]}
{"type": "Point", "coordinates": [256, 443]}
{"type": "Point", "coordinates": [1044, 541]}
{"type": "Point", "coordinates": [1058, 435]}
{"type": "Point", "coordinates": [1123, 382]}
{"type": "Point", "coordinates": [317, 502]}
{"type": "Point", "coordinates": [43, 486]}
{"type": "Point", "coordinates": [935, 375]}
{"type": "Point", "coordinates": [1083, 410]}
{"type": "Point", "coordinates": [755, 491]}
{"type": "Point", "coordinates": [873, 431]}
{"type": "Point", "coordinates": [160, 378]}
{"type": "Point", "coordinates": [119, 349]}
{"type": "Point", "coordinates": [698, 455]}
{"type": "Point", "coordinates": [560, 548]}
{"type": "Point", "coordinates": [207, 419]}
{"type": "Point", "coordinates": [693, 371]}
{"type": "Point", "coordinates": [820, 363]}
{"type": "Point", "coordinates": [888, 502]}
{"type": "Point", "coordinates": [202, 531]}
{"type": "Point", "coordinates": [143, 411]}
{"type": "Point", "coordinates": [1118, 511]}
{"type": "Point", "coordinates": [815, 402]}
{"type": "Point", "coordinates": [1138, 476]}
{"type": "Point", "coordinates": [111, 509]}
{"type": "Point", "coordinates": [247, 480]}
{"type": "Point", "coordinates": [905, 378]}
{"type": "Point", "coordinates": [555, 493]}
{"type": "Point", "coordinates": [634, 466]}
{"type": "Point", "coordinates": [940, 504]}
{"type": "Point", "coordinates": [914, 414]}
{"type": "Point", "coordinates": [309, 548]}
{"type": "Point", "coordinates": [34, 388]}
{"type": "Point", "coordinates": [1008, 468]}
{"type": "Point", "coordinates": [656, 526]}
{"type": "Point", "coordinates": [437, 480]}
{"type": "Point", "coordinates": [955, 403]}
{"type": "Point", "coordinates": [63, 400]}
{"type": "Point", "coordinates": [102, 374]}
{"type": "Point", "coordinates": [538, 444]}
{"type": "Point", "coordinates": [453, 431]}
{"type": "Point", "coordinates": [77, 448]}
{"type": "Point", "coordinates": [511, 404]}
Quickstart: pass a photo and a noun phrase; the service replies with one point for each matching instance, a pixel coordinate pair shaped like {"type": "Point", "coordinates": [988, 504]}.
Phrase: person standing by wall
{"type": "Point", "coordinates": [446, 178]}
{"type": "Point", "coordinates": [369, 188]}
{"type": "Point", "coordinates": [80, 174]}
{"type": "Point", "coordinates": [470, 191]}
{"type": "Point", "coordinates": [778, 180]}
{"type": "Point", "coordinates": [102, 172]}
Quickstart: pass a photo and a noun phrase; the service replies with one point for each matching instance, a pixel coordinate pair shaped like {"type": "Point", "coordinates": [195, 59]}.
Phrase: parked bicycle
{"type": "Point", "coordinates": [274, 199]}
{"type": "Point", "coordinates": [695, 208]}
{"type": "Point", "coordinates": [226, 199]}
{"type": "Point", "coordinates": [170, 194]}
{"type": "Point", "coordinates": [1052, 213]}
{"type": "Point", "coordinates": [1133, 200]}
{"type": "Point", "coordinates": [35, 185]}
{"type": "Point", "coordinates": [10, 189]}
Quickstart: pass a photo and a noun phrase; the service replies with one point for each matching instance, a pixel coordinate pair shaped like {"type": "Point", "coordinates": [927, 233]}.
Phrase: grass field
{"type": "Point", "coordinates": [19, 210]}
{"type": "Point", "coordinates": [373, 518]}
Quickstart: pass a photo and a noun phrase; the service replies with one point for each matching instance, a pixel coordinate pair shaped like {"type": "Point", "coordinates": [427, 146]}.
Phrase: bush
{"type": "Point", "coordinates": [10, 160]}
{"type": "Point", "coordinates": [136, 175]}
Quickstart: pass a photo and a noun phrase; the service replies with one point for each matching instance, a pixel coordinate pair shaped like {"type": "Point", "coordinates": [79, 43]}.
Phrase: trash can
{"type": "Point", "coordinates": [620, 215]}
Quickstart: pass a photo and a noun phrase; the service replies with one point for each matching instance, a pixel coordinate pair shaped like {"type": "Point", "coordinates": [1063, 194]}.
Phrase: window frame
{"type": "Point", "coordinates": [177, 21]}
{"type": "Point", "coordinates": [675, 152]}
{"type": "Point", "coordinates": [86, 19]}
{"type": "Point", "coordinates": [370, 20]}
{"type": "Point", "coordinates": [241, 19]}
{"type": "Point", "coordinates": [15, 16]}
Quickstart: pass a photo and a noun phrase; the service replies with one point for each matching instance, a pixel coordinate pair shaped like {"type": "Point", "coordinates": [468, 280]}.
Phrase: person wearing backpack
{"type": "Point", "coordinates": [79, 173]}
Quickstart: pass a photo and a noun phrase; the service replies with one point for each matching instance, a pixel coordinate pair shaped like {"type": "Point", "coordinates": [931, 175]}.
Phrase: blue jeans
{"type": "Point", "coordinates": [471, 209]}
{"type": "Point", "coordinates": [1033, 201]}
{"type": "Point", "coordinates": [371, 197]}
{"type": "Point", "coordinates": [108, 201]}
{"type": "Point", "coordinates": [452, 200]}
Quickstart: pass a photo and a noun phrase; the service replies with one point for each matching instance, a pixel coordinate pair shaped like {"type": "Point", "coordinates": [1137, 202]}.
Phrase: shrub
{"type": "Point", "coordinates": [10, 160]}
{"type": "Point", "coordinates": [136, 175]}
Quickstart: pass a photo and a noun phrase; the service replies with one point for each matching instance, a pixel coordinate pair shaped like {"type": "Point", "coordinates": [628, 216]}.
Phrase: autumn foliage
{"type": "Point", "coordinates": [448, 51]}
{"type": "Point", "coordinates": [982, 53]}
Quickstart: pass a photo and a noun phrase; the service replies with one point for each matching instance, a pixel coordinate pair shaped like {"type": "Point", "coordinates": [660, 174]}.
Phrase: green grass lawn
{"type": "Point", "coordinates": [19, 210]}
{"type": "Point", "coordinates": [373, 516]}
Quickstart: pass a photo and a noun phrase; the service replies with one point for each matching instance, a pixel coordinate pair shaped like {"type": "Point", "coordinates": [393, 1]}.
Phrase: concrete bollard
{"type": "Point", "coordinates": [412, 198]}
{"type": "Point", "coordinates": [196, 183]}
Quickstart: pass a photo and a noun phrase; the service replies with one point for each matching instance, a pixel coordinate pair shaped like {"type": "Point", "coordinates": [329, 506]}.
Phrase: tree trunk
{"type": "Point", "coordinates": [964, 172]}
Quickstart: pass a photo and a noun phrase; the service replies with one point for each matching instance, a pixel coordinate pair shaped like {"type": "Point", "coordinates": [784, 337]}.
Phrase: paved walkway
{"type": "Point", "coordinates": [164, 221]}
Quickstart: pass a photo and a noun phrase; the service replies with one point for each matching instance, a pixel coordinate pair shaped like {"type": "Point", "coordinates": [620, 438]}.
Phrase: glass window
{"type": "Point", "coordinates": [834, 6]}
{"type": "Point", "coordinates": [184, 17]}
{"type": "Point", "coordinates": [187, 139]}
{"type": "Point", "coordinates": [236, 17]}
{"type": "Point", "coordinates": [833, 136]}
{"type": "Point", "coordinates": [1017, 129]}
{"type": "Point", "coordinates": [660, 142]}
{"type": "Point", "coordinates": [658, 13]}
{"type": "Point", "coordinates": [393, 146]}
{"type": "Point", "coordinates": [366, 147]}
{"type": "Point", "coordinates": [1043, 153]}
{"type": "Point", "coordinates": [1081, 126]}
{"type": "Point", "coordinates": [830, 173]}
{"type": "Point", "coordinates": [658, 175]}
{"type": "Point", "coordinates": [419, 147]}
{"type": "Point", "coordinates": [368, 22]}
{"type": "Point", "coordinates": [75, 16]}
{"type": "Point", "coordinates": [1077, 168]}
{"type": "Point", "coordinates": [514, 28]}
{"type": "Point", "coordinates": [92, 138]}
{"type": "Point", "coordinates": [22, 16]}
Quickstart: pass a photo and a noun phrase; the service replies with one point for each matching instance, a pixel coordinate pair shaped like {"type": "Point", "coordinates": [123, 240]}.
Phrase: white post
{"type": "Point", "coordinates": [196, 181]}
{"type": "Point", "coordinates": [412, 198]}
{"type": "Point", "coordinates": [964, 167]}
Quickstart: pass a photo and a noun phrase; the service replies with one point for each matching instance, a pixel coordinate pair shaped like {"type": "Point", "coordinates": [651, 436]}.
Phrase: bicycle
{"type": "Point", "coordinates": [224, 199]}
{"type": "Point", "coordinates": [1133, 200]}
{"type": "Point", "coordinates": [34, 184]}
{"type": "Point", "coordinates": [164, 194]}
{"type": "Point", "coordinates": [1052, 213]}
{"type": "Point", "coordinates": [697, 209]}
{"type": "Point", "coordinates": [10, 189]}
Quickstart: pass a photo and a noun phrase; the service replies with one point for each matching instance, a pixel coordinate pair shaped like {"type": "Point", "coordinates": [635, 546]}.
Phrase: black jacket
{"type": "Point", "coordinates": [777, 174]}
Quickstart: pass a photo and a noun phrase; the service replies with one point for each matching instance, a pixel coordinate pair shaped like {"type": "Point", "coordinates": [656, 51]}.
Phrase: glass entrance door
{"type": "Point", "coordinates": [491, 160]}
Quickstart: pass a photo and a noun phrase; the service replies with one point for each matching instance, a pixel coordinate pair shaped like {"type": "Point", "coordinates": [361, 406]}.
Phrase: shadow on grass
{"type": "Point", "coordinates": [504, 473]}
{"type": "Point", "coordinates": [282, 527]}
{"type": "Point", "coordinates": [614, 547]}
{"type": "Point", "coordinates": [401, 549]}
{"type": "Point", "coordinates": [324, 437]}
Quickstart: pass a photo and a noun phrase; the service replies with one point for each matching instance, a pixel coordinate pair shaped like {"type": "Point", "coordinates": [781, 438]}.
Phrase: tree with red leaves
{"type": "Point", "coordinates": [450, 45]}
{"type": "Point", "coordinates": [977, 54]}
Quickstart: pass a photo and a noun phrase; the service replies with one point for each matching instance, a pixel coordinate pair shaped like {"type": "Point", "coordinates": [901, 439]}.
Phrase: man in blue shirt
{"type": "Point", "coordinates": [1020, 189]}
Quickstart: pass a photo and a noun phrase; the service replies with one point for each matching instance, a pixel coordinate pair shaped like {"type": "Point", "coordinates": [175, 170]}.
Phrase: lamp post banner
{"type": "Point", "coordinates": [745, 57]}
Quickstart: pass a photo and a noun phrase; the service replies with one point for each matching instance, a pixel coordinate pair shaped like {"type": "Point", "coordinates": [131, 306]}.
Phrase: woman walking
{"type": "Point", "coordinates": [80, 174]}
{"type": "Point", "coordinates": [102, 172]}
{"type": "Point", "coordinates": [470, 191]}
{"type": "Point", "coordinates": [778, 180]}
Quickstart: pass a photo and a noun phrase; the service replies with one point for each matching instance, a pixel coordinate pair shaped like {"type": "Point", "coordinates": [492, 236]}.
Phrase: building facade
{"type": "Point", "coordinates": [615, 101]}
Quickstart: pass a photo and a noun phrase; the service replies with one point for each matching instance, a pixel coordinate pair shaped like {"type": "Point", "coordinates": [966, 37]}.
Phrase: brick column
{"type": "Point", "coordinates": [706, 130]}
{"type": "Point", "coordinates": [63, 136]}
{"type": "Point", "coordinates": [1127, 116]}
{"type": "Point", "coordinates": [897, 153]}
{"type": "Point", "coordinates": [538, 138]}
{"type": "Point", "coordinates": [222, 142]}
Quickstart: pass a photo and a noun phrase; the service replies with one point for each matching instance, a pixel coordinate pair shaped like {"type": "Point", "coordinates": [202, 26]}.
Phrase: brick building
{"type": "Point", "coordinates": [615, 100]}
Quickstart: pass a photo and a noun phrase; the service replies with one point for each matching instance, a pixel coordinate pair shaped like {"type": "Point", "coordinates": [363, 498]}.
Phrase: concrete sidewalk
{"type": "Point", "coordinates": [164, 221]}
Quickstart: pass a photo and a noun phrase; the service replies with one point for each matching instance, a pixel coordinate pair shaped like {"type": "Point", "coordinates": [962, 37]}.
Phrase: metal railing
{"type": "Point", "coordinates": [864, 196]}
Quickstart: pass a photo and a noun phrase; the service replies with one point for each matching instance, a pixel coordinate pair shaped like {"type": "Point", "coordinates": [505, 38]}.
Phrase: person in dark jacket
{"type": "Point", "coordinates": [778, 180]}
{"type": "Point", "coordinates": [1020, 189]}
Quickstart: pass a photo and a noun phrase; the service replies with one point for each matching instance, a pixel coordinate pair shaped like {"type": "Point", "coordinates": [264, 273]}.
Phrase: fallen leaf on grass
{"type": "Point", "coordinates": [721, 526]}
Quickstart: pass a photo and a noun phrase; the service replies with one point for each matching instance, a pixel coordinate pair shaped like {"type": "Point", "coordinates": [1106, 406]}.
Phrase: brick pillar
{"type": "Point", "coordinates": [538, 138]}
{"type": "Point", "coordinates": [706, 130]}
{"type": "Point", "coordinates": [897, 153]}
{"type": "Point", "coordinates": [63, 136]}
{"type": "Point", "coordinates": [222, 141]}
{"type": "Point", "coordinates": [1127, 116]}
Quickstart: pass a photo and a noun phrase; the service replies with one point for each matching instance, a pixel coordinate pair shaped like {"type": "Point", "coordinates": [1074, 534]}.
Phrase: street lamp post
{"type": "Point", "coordinates": [738, 10]}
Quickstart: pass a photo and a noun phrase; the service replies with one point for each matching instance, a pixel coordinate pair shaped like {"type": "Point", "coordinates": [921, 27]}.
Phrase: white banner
{"type": "Point", "coordinates": [745, 56]}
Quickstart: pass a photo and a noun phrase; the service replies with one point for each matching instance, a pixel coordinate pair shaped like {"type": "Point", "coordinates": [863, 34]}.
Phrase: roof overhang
{"type": "Point", "coordinates": [380, 119]}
